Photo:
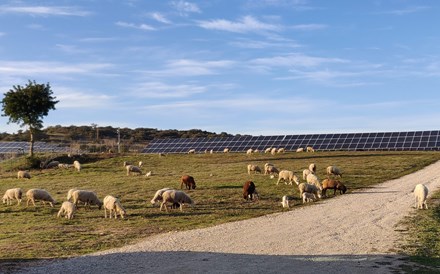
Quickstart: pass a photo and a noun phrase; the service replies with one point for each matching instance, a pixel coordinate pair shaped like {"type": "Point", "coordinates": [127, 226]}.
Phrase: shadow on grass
{"type": "Point", "coordinates": [211, 262]}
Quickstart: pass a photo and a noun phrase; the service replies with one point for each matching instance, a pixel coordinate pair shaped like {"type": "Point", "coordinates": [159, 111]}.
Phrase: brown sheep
{"type": "Point", "coordinates": [188, 181]}
{"type": "Point", "coordinates": [333, 184]}
{"type": "Point", "coordinates": [249, 190]}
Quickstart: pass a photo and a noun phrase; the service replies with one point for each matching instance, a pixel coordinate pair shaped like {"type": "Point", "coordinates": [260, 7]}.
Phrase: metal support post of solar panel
{"type": "Point", "coordinates": [384, 141]}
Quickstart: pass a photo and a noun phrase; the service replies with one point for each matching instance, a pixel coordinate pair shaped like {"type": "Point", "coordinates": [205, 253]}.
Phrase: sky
{"type": "Point", "coordinates": [258, 67]}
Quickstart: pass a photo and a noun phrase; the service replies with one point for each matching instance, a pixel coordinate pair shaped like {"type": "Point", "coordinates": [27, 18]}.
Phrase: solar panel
{"type": "Point", "coordinates": [21, 147]}
{"type": "Point", "coordinates": [412, 140]}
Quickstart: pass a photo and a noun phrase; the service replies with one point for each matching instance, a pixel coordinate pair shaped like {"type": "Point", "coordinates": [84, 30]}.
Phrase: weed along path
{"type": "Point", "coordinates": [352, 233]}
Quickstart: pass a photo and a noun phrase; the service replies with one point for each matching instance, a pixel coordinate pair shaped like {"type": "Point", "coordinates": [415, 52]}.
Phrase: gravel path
{"type": "Point", "coordinates": [352, 233]}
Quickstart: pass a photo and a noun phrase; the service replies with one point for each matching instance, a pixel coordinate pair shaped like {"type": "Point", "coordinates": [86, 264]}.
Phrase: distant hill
{"type": "Point", "coordinates": [96, 134]}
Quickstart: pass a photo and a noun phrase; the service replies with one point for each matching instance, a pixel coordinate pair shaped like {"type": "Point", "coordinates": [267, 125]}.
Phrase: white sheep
{"type": "Point", "coordinates": [267, 150]}
{"type": "Point", "coordinates": [69, 193]}
{"type": "Point", "coordinates": [303, 187]}
{"type": "Point", "coordinates": [77, 165]}
{"type": "Point", "coordinates": [67, 209]}
{"type": "Point", "coordinates": [253, 168]}
{"type": "Point", "coordinates": [39, 194]}
{"type": "Point", "coordinates": [249, 151]}
{"type": "Point", "coordinates": [333, 170]}
{"type": "Point", "coordinates": [271, 170]}
{"type": "Point", "coordinates": [65, 166]}
{"type": "Point", "coordinates": [226, 150]}
{"type": "Point", "coordinates": [140, 164]}
{"type": "Point", "coordinates": [11, 194]}
{"type": "Point", "coordinates": [420, 194]}
{"type": "Point", "coordinates": [273, 151]}
{"type": "Point", "coordinates": [191, 151]}
{"type": "Point", "coordinates": [23, 174]}
{"type": "Point", "coordinates": [175, 196]}
{"type": "Point", "coordinates": [312, 168]}
{"type": "Point", "coordinates": [310, 149]}
{"type": "Point", "coordinates": [256, 151]}
{"type": "Point", "coordinates": [211, 151]}
{"type": "Point", "coordinates": [288, 177]}
{"type": "Point", "coordinates": [113, 204]}
{"type": "Point", "coordinates": [158, 195]}
{"type": "Point", "coordinates": [131, 168]}
{"type": "Point", "coordinates": [148, 174]}
{"type": "Point", "coordinates": [281, 150]}
{"type": "Point", "coordinates": [301, 149]}
{"type": "Point", "coordinates": [305, 173]}
{"type": "Point", "coordinates": [308, 197]}
{"type": "Point", "coordinates": [285, 201]}
{"type": "Point", "coordinates": [313, 179]}
{"type": "Point", "coordinates": [87, 197]}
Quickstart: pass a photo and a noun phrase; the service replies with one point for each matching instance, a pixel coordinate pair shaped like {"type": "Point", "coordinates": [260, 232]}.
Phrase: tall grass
{"type": "Point", "coordinates": [29, 232]}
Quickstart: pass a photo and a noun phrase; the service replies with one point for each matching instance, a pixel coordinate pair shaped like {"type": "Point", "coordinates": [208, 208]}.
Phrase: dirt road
{"type": "Point", "coordinates": [353, 233]}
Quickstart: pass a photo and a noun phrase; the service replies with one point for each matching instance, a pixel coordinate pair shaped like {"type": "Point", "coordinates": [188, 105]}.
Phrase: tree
{"type": "Point", "coordinates": [27, 106]}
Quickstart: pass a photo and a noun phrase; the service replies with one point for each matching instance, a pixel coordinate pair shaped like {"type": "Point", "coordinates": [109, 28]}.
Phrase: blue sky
{"type": "Point", "coordinates": [259, 67]}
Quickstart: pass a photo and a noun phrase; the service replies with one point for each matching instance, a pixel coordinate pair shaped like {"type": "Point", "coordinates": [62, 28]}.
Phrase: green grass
{"type": "Point", "coordinates": [34, 233]}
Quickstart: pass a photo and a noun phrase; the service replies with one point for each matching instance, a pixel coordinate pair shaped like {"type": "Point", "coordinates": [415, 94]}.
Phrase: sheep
{"type": "Point", "coordinates": [175, 196]}
{"type": "Point", "coordinates": [253, 168]}
{"type": "Point", "coordinates": [313, 179]}
{"type": "Point", "coordinates": [65, 166]}
{"type": "Point", "coordinates": [333, 170]}
{"type": "Point", "coordinates": [310, 149]}
{"type": "Point", "coordinates": [191, 151]}
{"type": "Point", "coordinates": [148, 174]}
{"type": "Point", "coordinates": [51, 164]}
{"type": "Point", "coordinates": [273, 151]}
{"type": "Point", "coordinates": [68, 209]}
{"type": "Point", "coordinates": [267, 150]}
{"type": "Point", "coordinates": [22, 174]}
{"type": "Point", "coordinates": [271, 170]}
{"type": "Point", "coordinates": [281, 150]}
{"type": "Point", "coordinates": [300, 149]}
{"type": "Point", "coordinates": [69, 193]}
{"type": "Point", "coordinates": [113, 204]}
{"type": "Point", "coordinates": [308, 197]}
{"type": "Point", "coordinates": [285, 201]}
{"type": "Point", "coordinates": [312, 168]}
{"type": "Point", "coordinates": [39, 194]}
{"type": "Point", "coordinates": [211, 151]}
{"type": "Point", "coordinates": [305, 173]}
{"type": "Point", "coordinates": [158, 195]}
{"type": "Point", "coordinates": [226, 150]}
{"type": "Point", "coordinates": [131, 168]}
{"type": "Point", "coordinates": [126, 163]}
{"type": "Point", "coordinates": [256, 151]}
{"type": "Point", "coordinates": [77, 165]}
{"type": "Point", "coordinates": [87, 197]}
{"type": "Point", "coordinates": [249, 191]}
{"type": "Point", "coordinates": [11, 194]}
{"type": "Point", "coordinates": [287, 176]}
{"type": "Point", "coordinates": [420, 194]}
{"type": "Point", "coordinates": [333, 184]}
{"type": "Point", "coordinates": [188, 181]}
{"type": "Point", "coordinates": [249, 151]}
{"type": "Point", "coordinates": [304, 187]}
{"type": "Point", "coordinates": [140, 164]}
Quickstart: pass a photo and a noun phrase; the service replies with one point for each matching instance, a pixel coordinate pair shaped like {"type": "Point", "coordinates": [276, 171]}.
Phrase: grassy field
{"type": "Point", "coordinates": [34, 233]}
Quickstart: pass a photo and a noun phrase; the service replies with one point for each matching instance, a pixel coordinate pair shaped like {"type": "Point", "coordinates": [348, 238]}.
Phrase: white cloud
{"type": "Point", "coordinates": [44, 10]}
{"type": "Point", "coordinates": [34, 68]}
{"type": "Point", "coordinates": [408, 10]}
{"type": "Point", "coordinates": [244, 25]}
{"type": "Point", "coordinates": [295, 60]}
{"type": "Point", "coordinates": [134, 26]}
{"type": "Point", "coordinates": [309, 27]}
{"type": "Point", "coordinates": [161, 90]}
{"type": "Point", "coordinates": [69, 98]}
{"type": "Point", "coordinates": [186, 67]}
{"type": "Point", "coordinates": [159, 17]}
{"type": "Point", "coordinates": [184, 7]}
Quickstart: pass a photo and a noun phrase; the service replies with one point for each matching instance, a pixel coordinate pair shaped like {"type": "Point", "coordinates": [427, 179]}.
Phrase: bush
{"type": "Point", "coordinates": [32, 162]}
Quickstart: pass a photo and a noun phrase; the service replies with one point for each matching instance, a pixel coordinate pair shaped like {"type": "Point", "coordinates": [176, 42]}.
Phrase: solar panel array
{"type": "Point", "coordinates": [23, 147]}
{"type": "Point", "coordinates": [412, 140]}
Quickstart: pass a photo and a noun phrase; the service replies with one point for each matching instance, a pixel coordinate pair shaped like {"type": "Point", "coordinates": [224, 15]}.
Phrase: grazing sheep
{"type": "Point", "coordinates": [191, 151]}
{"type": "Point", "coordinates": [281, 150]}
{"type": "Point", "coordinates": [287, 176]}
{"type": "Point", "coordinates": [301, 149]}
{"type": "Point", "coordinates": [273, 151]}
{"type": "Point", "coordinates": [131, 168]}
{"type": "Point", "coordinates": [303, 187]}
{"type": "Point", "coordinates": [333, 184]}
{"type": "Point", "coordinates": [39, 194]}
{"type": "Point", "coordinates": [175, 196]}
{"type": "Point", "coordinates": [308, 197]}
{"type": "Point", "coordinates": [285, 201]}
{"type": "Point", "coordinates": [51, 164]}
{"type": "Point", "coordinates": [67, 209]}
{"type": "Point", "coordinates": [249, 191]}
{"type": "Point", "coordinates": [271, 170]}
{"type": "Point", "coordinates": [310, 149]}
{"type": "Point", "coordinates": [113, 204]}
{"type": "Point", "coordinates": [226, 150]}
{"type": "Point", "coordinates": [211, 151]}
{"type": "Point", "coordinates": [312, 168]}
{"type": "Point", "coordinates": [140, 164]}
{"type": "Point", "coordinates": [256, 151]}
{"type": "Point", "coordinates": [267, 150]}
{"type": "Point", "coordinates": [333, 170]}
{"type": "Point", "coordinates": [249, 151]}
{"type": "Point", "coordinates": [23, 174]}
{"type": "Point", "coordinates": [188, 181]}
{"type": "Point", "coordinates": [253, 168]}
{"type": "Point", "coordinates": [305, 173]}
{"type": "Point", "coordinates": [87, 197]}
{"type": "Point", "coordinates": [313, 179]}
{"type": "Point", "coordinates": [11, 194]}
{"type": "Point", "coordinates": [65, 166]}
{"type": "Point", "coordinates": [69, 193]}
{"type": "Point", "coordinates": [158, 195]}
{"type": "Point", "coordinates": [148, 174]}
{"type": "Point", "coordinates": [77, 165]}
{"type": "Point", "coordinates": [420, 194]}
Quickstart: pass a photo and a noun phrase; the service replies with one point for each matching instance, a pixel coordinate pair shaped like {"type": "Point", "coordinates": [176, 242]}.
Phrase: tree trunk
{"type": "Point", "coordinates": [31, 146]}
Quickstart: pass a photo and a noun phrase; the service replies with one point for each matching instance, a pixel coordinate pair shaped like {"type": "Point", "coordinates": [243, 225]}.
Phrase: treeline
{"type": "Point", "coordinates": [96, 134]}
